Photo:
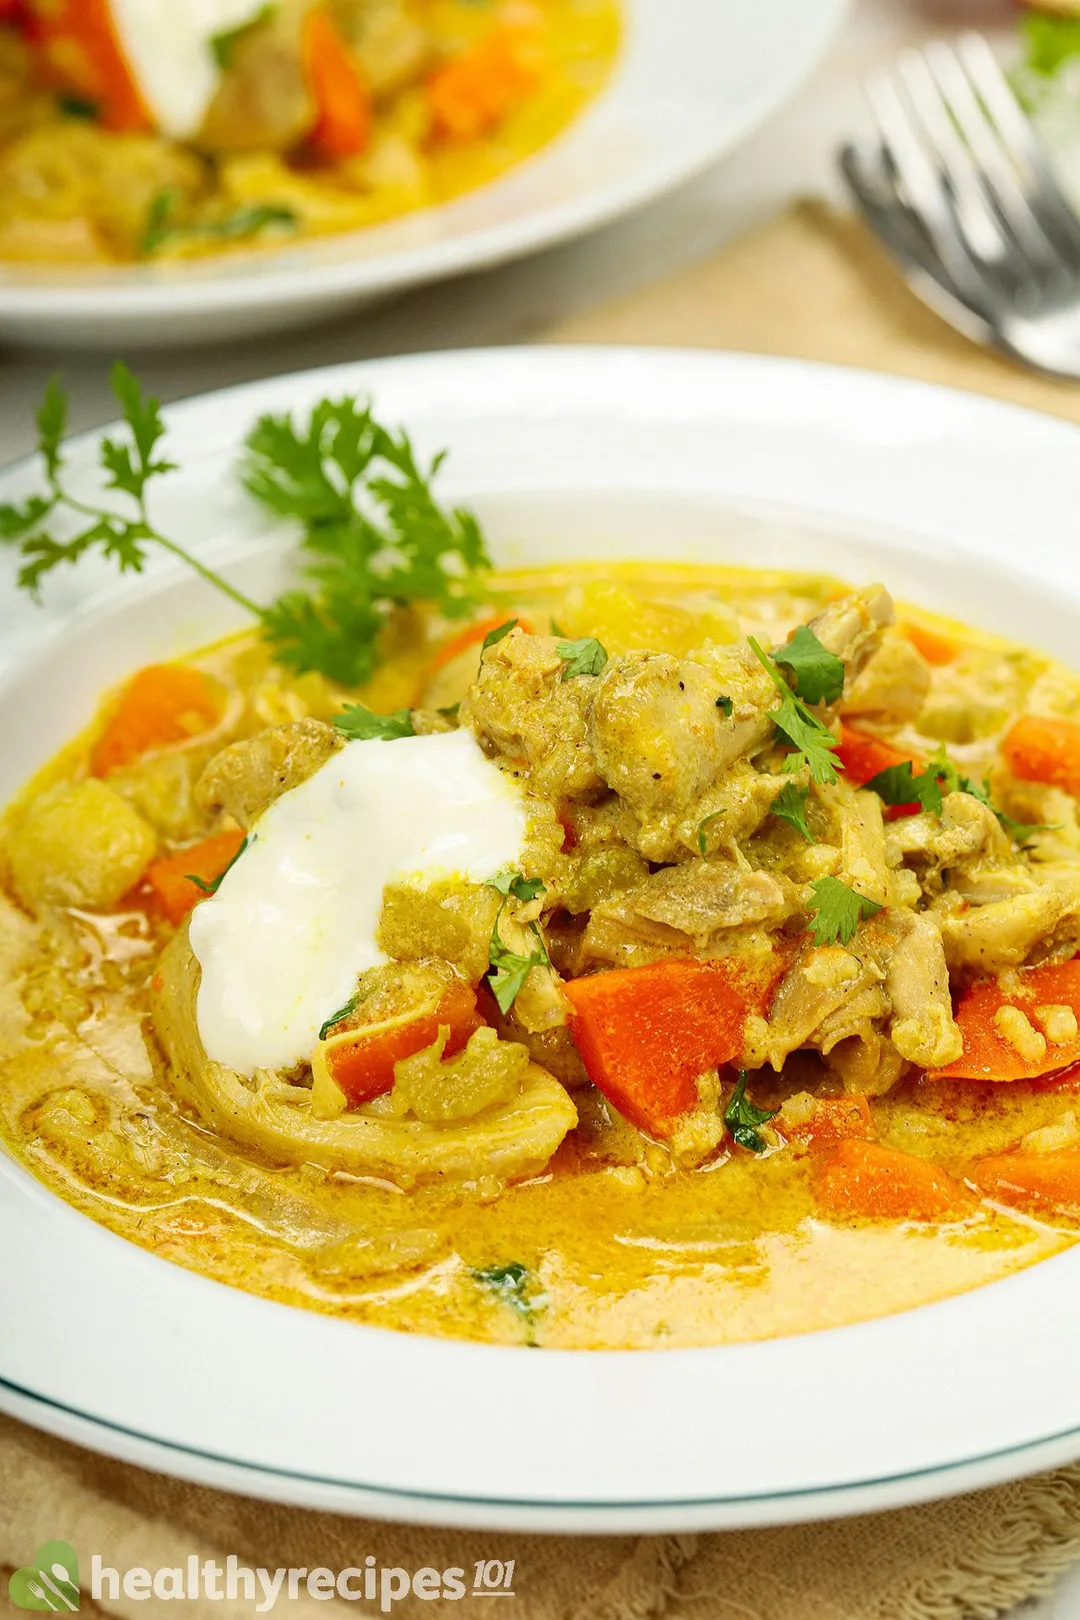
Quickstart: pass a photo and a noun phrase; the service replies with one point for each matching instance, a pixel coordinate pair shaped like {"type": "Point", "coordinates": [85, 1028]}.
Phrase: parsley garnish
{"type": "Point", "coordinates": [742, 1118]}
{"type": "Point", "coordinates": [818, 673]}
{"type": "Point", "coordinates": [361, 725]}
{"type": "Point", "coordinates": [726, 705]}
{"type": "Point", "coordinates": [899, 784]}
{"type": "Point", "coordinates": [493, 637]}
{"type": "Point", "coordinates": [512, 1286]}
{"type": "Point", "coordinates": [335, 1018]}
{"type": "Point", "coordinates": [584, 657]}
{"type": "Point", "coordinates": [162, 225]}
{"type": "Point", "coordinates": [509, 969]}
{"type": "Point", "coordinates": [223, 45]}
{"type": "Point", "coordinates": [702, 842]}
{"type": "Point", "coordinates": [836, 911]}
{"type": "Point", "coordinates": [79, 107]}
{"type": "Point", "coordinates": [215, 883]}
{"type": "Point", "coordinates": [522, 888]}
{"type": "Point", "coordinates": [812, 739]}
{"type": "Point", "coordinates": [373, 534]}
{"type": "Point", "coordinates": [790, 806]}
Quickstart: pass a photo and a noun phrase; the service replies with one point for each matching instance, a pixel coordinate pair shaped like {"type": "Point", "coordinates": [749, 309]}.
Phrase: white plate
{"type": "Point", "coordinates": [694, 78]}
{"type": "Point", "coordinates": [965, 505]}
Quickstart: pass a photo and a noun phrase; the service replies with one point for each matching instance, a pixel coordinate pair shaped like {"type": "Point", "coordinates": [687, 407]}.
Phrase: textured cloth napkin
{"type": "Point", "coordinates": [809, 284]}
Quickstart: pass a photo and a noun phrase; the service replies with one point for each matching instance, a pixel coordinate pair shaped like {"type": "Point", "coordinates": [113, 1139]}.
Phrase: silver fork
{"type": "Point", "coordinates": [958, 188]}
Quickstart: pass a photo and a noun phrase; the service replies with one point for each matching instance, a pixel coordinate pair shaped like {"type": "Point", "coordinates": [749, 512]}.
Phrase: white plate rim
{"type": "Point", "coordinates": [873, 411]}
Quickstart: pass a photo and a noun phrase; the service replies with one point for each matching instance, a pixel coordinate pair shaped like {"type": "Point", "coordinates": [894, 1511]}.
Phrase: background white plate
{"type": "Point", "coordinates": [695, 76]}
{"type": "Point", "coordinates": [966, 505]}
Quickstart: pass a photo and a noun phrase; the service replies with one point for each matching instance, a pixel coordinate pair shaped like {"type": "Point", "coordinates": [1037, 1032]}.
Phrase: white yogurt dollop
{"type": "Point", "coordinates": [295, 920]}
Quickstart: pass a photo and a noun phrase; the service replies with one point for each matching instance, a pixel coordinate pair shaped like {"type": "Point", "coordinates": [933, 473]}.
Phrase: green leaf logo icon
{"type": "Point", "coordinates": [49, 1584]}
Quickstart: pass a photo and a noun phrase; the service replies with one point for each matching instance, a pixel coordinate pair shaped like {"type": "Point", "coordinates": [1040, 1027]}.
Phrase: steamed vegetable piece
{"type": "Point", "coordinates": [373, 534]}
{"type": "Point", "coordinates": [79, 845]}
{"type": "Point", "coordinates": [645, 1034]}
{"type": "Point", "coordinates": [162, 704]}
{"type": "Point", "coordinates": [1041, 749]}
{"type": "Point", "coordinates": [343, 122]}
{"type": "Point", "coordinates": [863, 1178]}
{"type": "Point", "coordinates": [360, 1061]}
{"type": "Point", "coordinates": [1048, 1181]}
{"type": "Point", "coordinates": [1023, 1030]}
{"type": "Point", "coordinates": [476, 89]}
{"type": "Point", "coordinates": [179, 881]}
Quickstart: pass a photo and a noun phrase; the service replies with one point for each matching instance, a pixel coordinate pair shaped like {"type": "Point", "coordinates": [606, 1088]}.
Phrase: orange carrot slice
{"type": "Point", "coordinates": [1040, 749]}
{"type": "Point", "coordinates": [987, 1054]}
{"type": "Point", "coordinates": [344, 115]}
{"type": "Point", "coordinates": [865, 1179]}
{"type": "Point", "coordinates": [162, 704]}
{"type": "Point", "coordinates": [170, 877]}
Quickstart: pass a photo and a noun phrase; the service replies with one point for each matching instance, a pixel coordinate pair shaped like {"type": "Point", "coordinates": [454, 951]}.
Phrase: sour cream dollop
{"type": "Point", "coordinates": [295, 920]}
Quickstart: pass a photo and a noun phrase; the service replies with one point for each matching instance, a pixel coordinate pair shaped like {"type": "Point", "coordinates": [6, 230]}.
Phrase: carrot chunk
{"type": "Point", "coordinates": [834, 1119]}
{"type": "Point", "coordinates": [162, 704]}
{"type": "Point", "coordinates": [361, 1061]}
{"type": "Point", "coordinates": [862, 756]}
{"type": "Point", "coordinates": [477, 89]}
{"type": "Point", "coordinates": [988, 1052]}
{"type": "Point", "coordinates": [646, 1033]}
{"type": "Point", "coordinates": [170, 877]}
{"type": "Point", "coordinates": [82, 53]}
{"type": "Point", "coordinates": [343, 122]}
{"type": "Point", "coordinates": [1039, 749]}
{"type": "Point", "coordinates": [935, 648]}
{"type": "Point", "coordinates": [1046, 1180]}
{"type": "Point", "coordinates": [864, 1178]}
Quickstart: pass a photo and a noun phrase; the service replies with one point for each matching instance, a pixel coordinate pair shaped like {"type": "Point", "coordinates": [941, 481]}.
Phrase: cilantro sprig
{"type": "Point", "coordinates": [163, 226]}
{"type": "Point", "coordinates": [358, 724]}
{"type": "Point", "coordinates": [818, 673]}
{"type": "Point", "coordinates": [372, 534]}
{"type": "Point", "coordinates": [790, 806]}
{"type": "Point", "coordinates": [836, 911]}
{"type": "Point", "coordinates": [902, 784]}
{"type": "Point", "coordinates": [584, 657]}
{"type": "Point", "coordinates": [742, 1118]}
{"type": "Point", "coordinates": [811, 738]}
{"type": "Point", "coordinates": [337, 1017]}
{"type": "Point", "coordinates": [509, 969]}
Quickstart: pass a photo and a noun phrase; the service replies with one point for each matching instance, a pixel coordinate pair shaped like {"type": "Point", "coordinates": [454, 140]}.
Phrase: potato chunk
{"type": "Point", "coordinates": [79, 846]}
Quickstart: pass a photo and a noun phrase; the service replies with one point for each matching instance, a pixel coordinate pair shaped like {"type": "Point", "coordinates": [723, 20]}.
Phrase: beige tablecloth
{"type": "Point", "coordinates": [809, 284]}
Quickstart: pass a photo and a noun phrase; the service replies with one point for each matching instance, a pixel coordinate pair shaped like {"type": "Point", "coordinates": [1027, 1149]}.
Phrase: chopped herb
{"type": "Point", "coordinates": [79, 107]}
{"type": "Point", "coordinates": [819, 674]}
{"type": "Point", "coordinates": [742, 1118]}
{"type": "Point", "coordinates": [810, 737]}
{"type": "Point", "coordinates": [521, 888]}
{"type": "Point", "coordinates": [493, 637]}
{"type": "Point", "coordinates": [836, 911]}
{"type": "Point", "coordinates": [362, 725]}
{"type": "Point", "coordinates": [584, 657]}
{"type": "Point", "coordinates": [215, 883]}
{"type": "Point", "coordinates": [162, 225]}
{"type": "Point", "coordinates": [450, 712]}
{"type": "Point", "coordinates": [702, 842]}
{"type": "Point", "coordinates": [512, 1285]}
{"type": "Point", "coordinates": [223, 45]}
{"type": "Point", "coordinates": [726, 705]}
{"type": "Point", "coordinates": [899, 784]}
{"type": "Point", "coordinates": [555, 629]}
{"type": "Point", "coordinates": [1051, 41]}
{"type": "Point", "coordinates": [509, 969]}
{"type": "Point", "coordinates": [790, 806]}
{"type": "Point", "coordinates": [336, 1018]}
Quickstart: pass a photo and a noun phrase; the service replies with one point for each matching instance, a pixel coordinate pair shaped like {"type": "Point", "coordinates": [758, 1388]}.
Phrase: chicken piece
{"type": "Point", "coordinates": [868, 1064]}
{"type": "Point", "coordinates": [263, 101]}
{"type": "Point", "coordinates": [816, 986]}
{"type": "Point", "coordinates": [852, 626]}
{"type": "Point", "coordinates": [687, 906]}
{"type": "Point", "coordinates": [966, 829]}
{"type": "Point", "coordinates": [891, 685]}
{"type": "Point", "coordinates": [987, 939]}
{"type": "Point", "coordinates": [524, 709]}
{"type": "Point", "coordinates": [393, 48]}
{"type": "Point", "coordinates": [539, 1005]}
{"type": "Point", "coordinates": [246, 777]}
{"type": "Point", "coordinates": [862, 847]}
{"type": "Point", "coordinates": [922, 1027]}
{"type": "Point", "coordinates": [740, 801]}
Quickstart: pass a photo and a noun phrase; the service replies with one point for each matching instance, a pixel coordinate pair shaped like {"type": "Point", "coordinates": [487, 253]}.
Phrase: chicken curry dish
{"type": "Point", "coordinates": [160, 130]}
{"type": "Point", "coordinates": [678, 955]}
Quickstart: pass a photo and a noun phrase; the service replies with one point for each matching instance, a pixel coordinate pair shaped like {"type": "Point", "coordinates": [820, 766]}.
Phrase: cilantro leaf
{"type": "Point", "coordinates": [336, 1017]}
{"type": "Point", "coordinates": [725, 705]}
{"type": "Point", "coordinates": [819, 674]}
{"type": "Point", "coordinates": [374, 536]}
{"type": "Point", "coordinates": [521, 888]}
{"type": "Point", "coordinates": [583, 657]}
{"type": "Point", "coordinates": [702, 841]}
{"type": "Point", "coordinates": [898, 784]}
{"type": "Point", "coordinates": [361, 725]}
{"type": "Point", "coordinates": [162, 226]}
{"type": "Point", "coordinates": [790, 806]}
{"type": "Point", "coordinates": [510, 969]}
{"type": "Point", "coordinates": [836, 911]}
{"type": "Point", "coordinates": [52, 421]}
{"type": "Point", "coordinates": [215, 883]}
{"type": "Point", "coordinates": [81, 107]}
{"type": "Point", "coordinates": [742, 1118]}
{"type": "Point", "coordinates": [223, 45]}
{"type": "Point", "coordinates": [493, 637]}
{"type": "Point", "coordinates": [811, 738]}
{"type": "Point", "coordinates": [512, 1285]}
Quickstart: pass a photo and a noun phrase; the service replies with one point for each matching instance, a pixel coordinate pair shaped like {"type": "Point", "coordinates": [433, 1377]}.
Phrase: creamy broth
{"type": "Point", "coordinates": [622, 1238]}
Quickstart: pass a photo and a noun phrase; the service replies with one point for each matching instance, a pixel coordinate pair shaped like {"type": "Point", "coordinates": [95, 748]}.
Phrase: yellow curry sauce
{"type": "Point", "coordinates": [625, 1238]}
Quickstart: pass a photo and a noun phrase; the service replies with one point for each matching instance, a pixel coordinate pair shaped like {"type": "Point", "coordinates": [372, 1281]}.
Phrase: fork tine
{"type": "Point", "coordinates": [994, 162]}
{"type": "Point", "coordinates": [993, 90]}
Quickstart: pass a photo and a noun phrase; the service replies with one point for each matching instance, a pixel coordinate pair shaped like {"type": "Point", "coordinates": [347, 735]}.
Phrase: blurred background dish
{"type": "Point", "coordinates": [170, 195]}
